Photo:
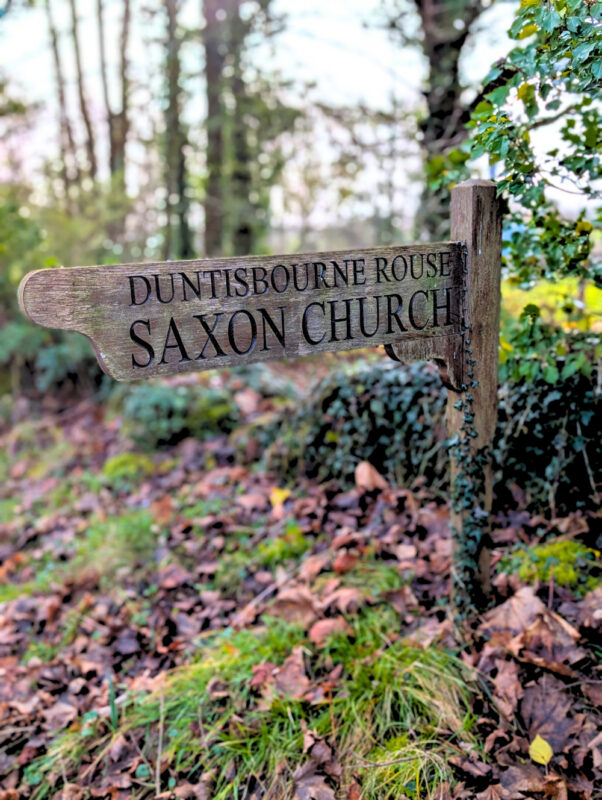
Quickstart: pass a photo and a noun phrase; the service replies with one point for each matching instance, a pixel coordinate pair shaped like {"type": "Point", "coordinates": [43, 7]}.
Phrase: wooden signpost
{"type": "Point", "coordinates": [423, 302]}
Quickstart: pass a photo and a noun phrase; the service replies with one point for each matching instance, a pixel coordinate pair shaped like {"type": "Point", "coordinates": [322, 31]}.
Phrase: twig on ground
{"type": "Point", "coordinates": [160, 745]}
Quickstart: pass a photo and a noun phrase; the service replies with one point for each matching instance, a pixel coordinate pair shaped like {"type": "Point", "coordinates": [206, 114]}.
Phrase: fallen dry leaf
{"type": "Point", "coordinates": [248, 400]}
{"type": "Point", "coordinates": [515, 615]}
{"type": "Point", "coordinates": [162, 509]}
{"type": "Point", "coordinates": [309, 785]}
{"type": "Point", "coordinates": [549, 642]}
{"type": "Point", "coordinates": [367, 478]}
{"type": "Point", "coordinates": [60, 715]}
{"type": "Point", "coordinates": [344, 562]}
{"type": "Point", "coordinates": [541, 751]}
{"type": "Point", "coordinates": [252, 501]}
{"type": "Point", "coordinates": [345, 598]}
{"type": "Point", "coordinates": [508, 689]}
{"type": "Point", "coordinates": [295, 604]}
{"type": "Point", "coordinates": [521, 778]}
{"type": "Point", "coordinates": [545, 709]}
{"type": "Point", "coordinates": [262, 674]}
{"type": "Point", "coordinates": [596, 749]}
{"type": "Point", "coordinates": [321, 630]}
{"type": "Point", "coordinates": [313, 565]}
{"type": "Point", "coordinates": [290, 678]}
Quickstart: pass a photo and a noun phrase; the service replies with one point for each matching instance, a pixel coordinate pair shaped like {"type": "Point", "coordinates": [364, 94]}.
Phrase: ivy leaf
{"type": "Point", "coordinates": [540, 751]}
{"type": "Point", "coordinates": [527, 31]}
{"type": "Point", "coordinates": [551, 374]}
{"type": "Point", "coordinates": [582, 51]}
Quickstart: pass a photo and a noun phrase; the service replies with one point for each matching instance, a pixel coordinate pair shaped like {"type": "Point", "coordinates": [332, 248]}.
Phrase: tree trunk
{"type": "Point", "coordinates": [68, 152]}
{"type": "Point", "coordinates": [117, 122]}
{"type": "Point", "coordinates": [83, 102]}
{"type": "Point", "coordinates": [443, 126]}
{"type": "Point", "coordinates": [121, 121]}
{"type": "Point", "coordinates": [214, 42]}
{"type": "Point", "coordinates": [104, 78]}
{"type": "Point", "coordinates": [243, 228]}
{"type": "Point", "coordinates": [178, 240]}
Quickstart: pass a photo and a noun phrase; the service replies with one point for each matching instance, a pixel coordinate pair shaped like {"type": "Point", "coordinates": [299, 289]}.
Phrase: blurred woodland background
{"type": "Point", "coordinates": [134, 131]}
{"type": "Point", "coordinates": [170, 130]}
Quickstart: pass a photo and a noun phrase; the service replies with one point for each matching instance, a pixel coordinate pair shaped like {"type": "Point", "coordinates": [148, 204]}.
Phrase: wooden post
{"type": "Point", "coordinates": [476, 221]}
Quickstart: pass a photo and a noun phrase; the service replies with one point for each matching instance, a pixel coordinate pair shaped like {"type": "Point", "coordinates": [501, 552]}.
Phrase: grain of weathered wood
{"type": "Point", "coordinates": [161, 319]}
{"type": "Point", "coordinates": [476, 220]}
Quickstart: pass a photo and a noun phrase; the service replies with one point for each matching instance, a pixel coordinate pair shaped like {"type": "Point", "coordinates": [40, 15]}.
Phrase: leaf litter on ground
{"type": "Point", "coordinates": [200, 630]}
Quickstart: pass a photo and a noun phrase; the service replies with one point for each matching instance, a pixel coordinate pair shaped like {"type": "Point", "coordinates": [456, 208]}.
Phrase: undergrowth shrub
{"type": "Point", "coordinates": [33, 359]}
{"type": "Point", "coordinates": [391, 417]}
{"type": "Point", "coordinates": [158, 414]}
{"type": "Point", "coordinates": [548, 442]}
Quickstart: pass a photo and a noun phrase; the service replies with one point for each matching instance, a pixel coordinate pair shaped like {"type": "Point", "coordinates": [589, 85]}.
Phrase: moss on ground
{"type": "Point", "coordinates": [126, 470]}
{"type": "Point", "coordinates": [569, 563]}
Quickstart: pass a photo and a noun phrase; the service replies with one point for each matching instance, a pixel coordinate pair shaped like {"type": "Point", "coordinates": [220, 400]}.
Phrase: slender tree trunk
{"type": "Point", "coordinates": [105, 80]}
{"type": "Point", "coordinates": [214, 67]}
{"type": "Point", "coordinates": [243, 228]}
{"type": "Point", "coordinates": [117, 122]}
{"type": "Point", "coordinates": [178, 240]}
{"type": "Point", "coordinates": [83, 102]}
{"type": "Point", "coordinates": [68, 151]}
{"type": "Point", "coordinates": [122, 121]}
{"type": "Point", "coordinates": [444, 125]}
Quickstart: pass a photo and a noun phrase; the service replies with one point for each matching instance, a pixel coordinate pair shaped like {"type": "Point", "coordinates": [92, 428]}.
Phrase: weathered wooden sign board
{"type": "Point", "coordinates": [160, 319]}
{"type": "Point", "coordinates": [426, 301]}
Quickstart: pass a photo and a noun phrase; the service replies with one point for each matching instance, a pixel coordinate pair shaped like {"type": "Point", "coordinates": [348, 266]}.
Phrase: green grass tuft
{"type": "Point", "coordinates": [392, 701]}
{"type": "Point", "coordinates": [115, 543]}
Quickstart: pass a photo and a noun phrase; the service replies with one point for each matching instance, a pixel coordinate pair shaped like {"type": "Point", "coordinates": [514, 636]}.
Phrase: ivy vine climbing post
{"type": "Point", "coordinates": [472, 413]}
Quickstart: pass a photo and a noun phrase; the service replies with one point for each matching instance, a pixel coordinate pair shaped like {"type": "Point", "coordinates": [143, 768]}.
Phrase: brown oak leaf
{"type": "Point", "coordinates": [545, 709]}
{"type": "Point", "coordinates": [323, 628]}
{"type": "Point", "coordinates": [290, 678]}
{"type": "Point", "coordinates": [309, 785]}
{"type": "Point", "coordinates": [295, 604]}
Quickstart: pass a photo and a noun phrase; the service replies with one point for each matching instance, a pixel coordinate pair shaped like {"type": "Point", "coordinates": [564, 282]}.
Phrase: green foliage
{"type": "Point", "coordinates": [552, 78]}
{"type": "Point", "coordinates": [538, 351]}
{"type": "Point", "coordinates": [50, 357]}
{"type": "Point", "coordinates": [125, 470]}
{"type": "Point", "coordinates": [548, 439]}
{"type": "Point", "coordinates": [569, 563]}
{"type": "Point", "coordinates": [7, 509]}
{"type": "Point", "coordinates": [160, 414]}
{"type": "Point", "coordinates": [19, 250]}
{"type": "Point", "coordinates": [539, 121]}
